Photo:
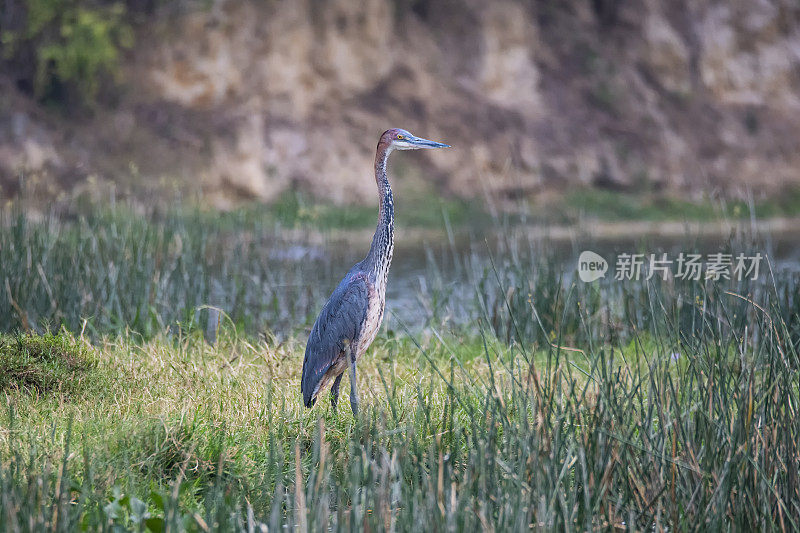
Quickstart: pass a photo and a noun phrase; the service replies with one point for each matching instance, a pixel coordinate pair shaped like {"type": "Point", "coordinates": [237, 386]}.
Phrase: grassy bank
{"type": "Point", "coordinates": [428, 209]}
{"type": "Point", "coordinates": [615, 206]}
{"type": "Point", "coordinates": [420, 206]}
{"type": "Point", "coordinates": [524, 399]}
{"type": "Point", "coordinates": [658, 432]}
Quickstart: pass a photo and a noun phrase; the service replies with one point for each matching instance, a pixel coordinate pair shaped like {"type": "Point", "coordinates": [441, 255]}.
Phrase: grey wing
{"type": "Point", "coordinates": [341, 318]}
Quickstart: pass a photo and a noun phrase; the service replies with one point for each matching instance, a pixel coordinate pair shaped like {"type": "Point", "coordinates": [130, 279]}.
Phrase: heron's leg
{"type": "Point", "coordinates": [353, 391]}
{"type": "Point", "coordinates": [335, 391]}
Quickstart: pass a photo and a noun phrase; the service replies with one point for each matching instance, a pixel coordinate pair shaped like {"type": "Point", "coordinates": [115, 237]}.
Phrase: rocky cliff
{"type": "Point", "coordinates": [244, 99]}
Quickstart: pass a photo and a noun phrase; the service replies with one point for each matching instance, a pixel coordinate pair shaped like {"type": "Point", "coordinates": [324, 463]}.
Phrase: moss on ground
{"type": "Point", "coordinates": [44, 363]}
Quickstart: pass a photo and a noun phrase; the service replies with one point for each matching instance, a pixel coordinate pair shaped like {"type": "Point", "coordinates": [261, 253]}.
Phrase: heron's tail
{"type": "Point", "coordinates": [309, 401]}
{"type": "Point", "coordinates": [306, 387]}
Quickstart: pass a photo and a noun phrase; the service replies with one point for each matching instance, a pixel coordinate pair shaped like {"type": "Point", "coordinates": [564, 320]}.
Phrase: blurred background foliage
{"type": "Point", "coordinates": [230, 101]}
{"type": "Point", "coordinates": [64, 51]}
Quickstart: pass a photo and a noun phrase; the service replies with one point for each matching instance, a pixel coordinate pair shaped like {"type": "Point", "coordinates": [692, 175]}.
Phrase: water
{"type": "Point", "coordinates": [439, 263]}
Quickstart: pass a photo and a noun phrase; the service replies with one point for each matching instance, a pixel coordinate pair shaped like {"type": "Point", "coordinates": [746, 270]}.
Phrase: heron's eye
{"type": "Point", "coordinates": [400, 137]}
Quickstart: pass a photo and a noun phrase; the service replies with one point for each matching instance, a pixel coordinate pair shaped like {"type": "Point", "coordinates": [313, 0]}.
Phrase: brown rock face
{"type": "Point", "coordinates": [247, 99]}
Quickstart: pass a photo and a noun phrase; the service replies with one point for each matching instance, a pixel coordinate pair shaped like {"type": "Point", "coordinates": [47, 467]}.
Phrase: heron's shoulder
{"type": "Point", "coordinates": [357, 278]}
{"type": "Point", "coordinates": [354, 287]}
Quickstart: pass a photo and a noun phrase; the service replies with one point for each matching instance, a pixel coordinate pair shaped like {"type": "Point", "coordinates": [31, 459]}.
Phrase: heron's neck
{"type": "Point", "coordinates": [380, 253]}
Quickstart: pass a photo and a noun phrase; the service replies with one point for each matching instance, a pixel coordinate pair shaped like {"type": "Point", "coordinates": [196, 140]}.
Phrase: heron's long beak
{"type": "Point", "coordinates": [425, 143]}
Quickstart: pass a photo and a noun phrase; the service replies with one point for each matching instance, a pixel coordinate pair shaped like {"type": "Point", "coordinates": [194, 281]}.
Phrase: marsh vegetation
{"type": "Point", "coordinates": [151, 382]}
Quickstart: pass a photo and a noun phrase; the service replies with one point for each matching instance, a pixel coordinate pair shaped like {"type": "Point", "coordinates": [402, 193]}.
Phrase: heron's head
{"type": "Point", "coordinates": [399, 139]}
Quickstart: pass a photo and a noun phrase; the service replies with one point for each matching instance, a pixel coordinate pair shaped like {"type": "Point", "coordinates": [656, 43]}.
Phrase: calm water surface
{"type": "Point", "coordinates": [449, 264]}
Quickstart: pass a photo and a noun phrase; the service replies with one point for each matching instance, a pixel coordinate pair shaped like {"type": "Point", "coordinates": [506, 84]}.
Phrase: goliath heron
{"type": "Point", "coordinates": [350, 319]}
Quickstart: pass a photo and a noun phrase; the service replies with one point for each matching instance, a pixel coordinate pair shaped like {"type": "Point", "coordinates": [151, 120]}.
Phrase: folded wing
{"type": "Point", "coordinates": [340, 320]}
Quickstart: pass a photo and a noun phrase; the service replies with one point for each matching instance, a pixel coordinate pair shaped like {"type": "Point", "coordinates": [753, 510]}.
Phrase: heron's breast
{"type": "Point", "coordinates": [372, 322]}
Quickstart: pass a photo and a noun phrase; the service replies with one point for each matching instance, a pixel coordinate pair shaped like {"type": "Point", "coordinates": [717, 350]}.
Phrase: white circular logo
{"type": "Point", "coordinates": [591, 266]}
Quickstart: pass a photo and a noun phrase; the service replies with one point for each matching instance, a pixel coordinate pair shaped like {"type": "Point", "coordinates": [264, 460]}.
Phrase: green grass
{"type": "Point", "coordinates": [42, 364]}
{"type": "Point", "coordinates": [425, 209]}
{"type": "Point", "coordinates": [183, 434]}
{"type": "Point", "coordinates": [294, 210]}
{"type": "Point", "coordinates": [112, 270]}
{"type": "Point", "coordinates": [414, 210]}
{"type": "Point", "coordinates": [619, 206]}
{"type": "Point", "coordinates": [524, 400]}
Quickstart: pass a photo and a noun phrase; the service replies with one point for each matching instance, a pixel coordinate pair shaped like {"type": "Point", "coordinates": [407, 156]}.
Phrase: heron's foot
{"type": "Point", "coordinates": [335, 391]}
